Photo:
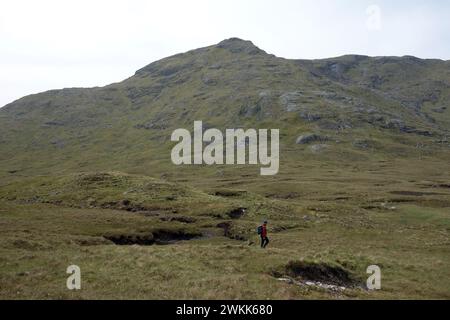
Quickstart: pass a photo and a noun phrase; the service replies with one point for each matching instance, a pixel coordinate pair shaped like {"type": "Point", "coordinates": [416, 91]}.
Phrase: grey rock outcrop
{"type": "Point", "coordinates": [309, 138]}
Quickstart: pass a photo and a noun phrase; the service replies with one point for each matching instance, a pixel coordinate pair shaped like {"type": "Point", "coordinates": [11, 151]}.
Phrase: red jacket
{"type": "Point", "coordinates": [264, 231]}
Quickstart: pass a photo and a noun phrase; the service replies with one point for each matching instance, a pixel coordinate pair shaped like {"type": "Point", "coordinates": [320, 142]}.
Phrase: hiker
{"type": "Point", "coordinates": [262, 231]}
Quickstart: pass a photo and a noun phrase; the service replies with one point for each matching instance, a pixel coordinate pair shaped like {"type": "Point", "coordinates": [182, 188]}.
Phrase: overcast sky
{"type": "Point", "coordinates": [52, 44]}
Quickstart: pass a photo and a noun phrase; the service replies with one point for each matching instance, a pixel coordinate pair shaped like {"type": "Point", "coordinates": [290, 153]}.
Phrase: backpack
{"type": "Point", "coordinates": [259, 230]}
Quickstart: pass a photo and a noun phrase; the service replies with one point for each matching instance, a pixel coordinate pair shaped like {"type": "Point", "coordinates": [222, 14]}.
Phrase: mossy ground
{"type": "Point", "coordinates": [350, 219]}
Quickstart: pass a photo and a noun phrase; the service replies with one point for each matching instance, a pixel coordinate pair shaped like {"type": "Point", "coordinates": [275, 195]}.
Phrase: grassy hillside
{"type": "Point", "coordinates": [393, 106]}
{"type": "Point", "coordinates": [86, 178]}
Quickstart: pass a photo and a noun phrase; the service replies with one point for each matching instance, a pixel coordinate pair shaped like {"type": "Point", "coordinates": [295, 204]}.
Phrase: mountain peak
{"type": "Point", "coordinates": [237, 45]}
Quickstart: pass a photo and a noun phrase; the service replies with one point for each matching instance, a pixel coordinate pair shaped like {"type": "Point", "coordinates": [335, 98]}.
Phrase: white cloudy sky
{"type": "Point", "coordinates": [50, 44]}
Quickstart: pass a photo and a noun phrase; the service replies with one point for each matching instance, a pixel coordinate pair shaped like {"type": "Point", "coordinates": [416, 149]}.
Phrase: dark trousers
{"type": "Point", "coordinates": [264, 241]}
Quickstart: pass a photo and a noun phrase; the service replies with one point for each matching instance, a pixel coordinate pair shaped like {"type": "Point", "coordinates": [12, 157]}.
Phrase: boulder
{"type": "Point", "coordinates": [310, 137]}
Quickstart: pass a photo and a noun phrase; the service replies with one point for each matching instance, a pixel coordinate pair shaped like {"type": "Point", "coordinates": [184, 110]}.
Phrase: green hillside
{"type": "Point", "coordinates": [86, 178]}
{"type": "Point", "coordinates": [388, 106]}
